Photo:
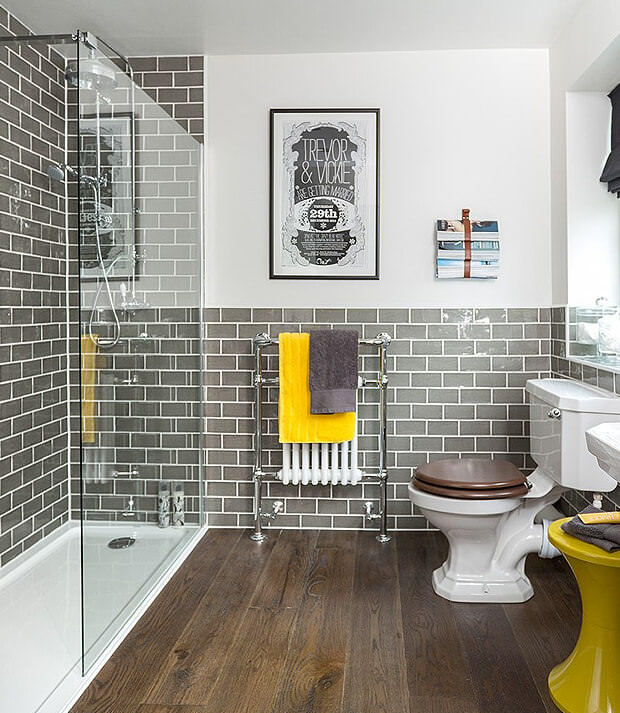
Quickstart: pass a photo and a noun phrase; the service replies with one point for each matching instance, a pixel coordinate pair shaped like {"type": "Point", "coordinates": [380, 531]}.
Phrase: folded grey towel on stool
{"type": "Point", "coordinates": [603, 535]}
{"type": "Point", "coordinates": [333, 370]}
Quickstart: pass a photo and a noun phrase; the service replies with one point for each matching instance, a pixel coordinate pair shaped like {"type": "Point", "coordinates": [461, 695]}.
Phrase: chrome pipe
{"type": "Point", "coordinates": [258, 534]}
{"type": "Point", "coordinates": [269, 474]}
{"type": "Point", "coordinates": [63, 39]}
{"type": "Point", "coordinates": [258, 413]}
{"type": "Point", "coordinates": [382, 339]}
{"type": "Point", "coordinates": [383, 378]}
{"type": "Point", "coordinates": [133, 473]}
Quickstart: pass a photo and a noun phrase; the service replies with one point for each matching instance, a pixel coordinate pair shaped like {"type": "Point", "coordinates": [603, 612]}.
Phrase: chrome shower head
{"type": "Point", "coordinates": [90, 74]}
{"type": "Point", "coordinates": [56, 172]}
{"type": "Point", "coordinates": [61, 171]}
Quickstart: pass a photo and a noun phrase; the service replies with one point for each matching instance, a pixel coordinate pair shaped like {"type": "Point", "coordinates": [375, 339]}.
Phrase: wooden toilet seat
{"type": "Point", "coordinates": [471, 479]}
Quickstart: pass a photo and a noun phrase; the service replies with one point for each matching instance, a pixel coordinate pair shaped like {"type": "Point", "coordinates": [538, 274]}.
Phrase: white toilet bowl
{"type": "Point", "coordinates": [483, 563]}
{"type": "Point", "coordinates": [490, 536]}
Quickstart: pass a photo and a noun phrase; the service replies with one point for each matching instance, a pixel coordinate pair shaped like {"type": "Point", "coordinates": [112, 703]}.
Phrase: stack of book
{"type": "Point", "coordinates": [452, 251]}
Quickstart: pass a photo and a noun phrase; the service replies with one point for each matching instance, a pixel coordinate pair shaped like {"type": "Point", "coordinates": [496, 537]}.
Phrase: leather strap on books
{"type": "Point", "coordinates": [467, 226]}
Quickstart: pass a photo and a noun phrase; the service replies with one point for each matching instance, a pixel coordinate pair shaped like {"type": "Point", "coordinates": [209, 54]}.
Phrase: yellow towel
{"type": "Point", "coordinates": [89, 381]}
{"type": "Point", "coordinates": [297, 424]}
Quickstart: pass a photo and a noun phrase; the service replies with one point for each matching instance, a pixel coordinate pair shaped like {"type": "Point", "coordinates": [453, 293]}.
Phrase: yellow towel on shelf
{"type": "Point", "coordinates": [297, 424]}
{"type": "Point", "coordinates": [89, 382]}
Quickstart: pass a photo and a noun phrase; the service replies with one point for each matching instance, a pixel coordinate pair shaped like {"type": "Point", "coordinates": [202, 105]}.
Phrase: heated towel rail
{"type": "Point", "coordinates": [267, 473]}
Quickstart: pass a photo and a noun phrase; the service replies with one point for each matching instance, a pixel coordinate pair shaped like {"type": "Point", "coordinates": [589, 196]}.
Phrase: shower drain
{"type": "Point", "coordinates": [121, 543]}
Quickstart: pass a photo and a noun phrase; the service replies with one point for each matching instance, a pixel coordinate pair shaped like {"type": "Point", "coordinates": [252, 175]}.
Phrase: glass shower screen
{"type": "Point", "coordinates": [138, 250]}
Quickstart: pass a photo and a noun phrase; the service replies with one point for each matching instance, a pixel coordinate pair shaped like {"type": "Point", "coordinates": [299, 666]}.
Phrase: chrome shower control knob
{"type": "Point", "coordinates": [554, 413]}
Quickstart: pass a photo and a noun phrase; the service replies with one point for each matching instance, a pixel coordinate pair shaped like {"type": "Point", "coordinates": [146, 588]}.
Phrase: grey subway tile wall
{"type": "Point", "coordinates": [177, 85]}
{"type": "Point", "coordinates": [33, 264]}
{"type": "Point", "coordinates": [148, 419]}
{"type": "Point", "coordinates": [167, 176]}
{"type": "Point", "coordinates": [149, 431]}
{"type": "Point", "coordinates": [457, 388]}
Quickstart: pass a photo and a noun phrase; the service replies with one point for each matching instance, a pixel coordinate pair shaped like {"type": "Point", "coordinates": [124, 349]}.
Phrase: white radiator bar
{"type": "Point", "coordinates": [320, 463]}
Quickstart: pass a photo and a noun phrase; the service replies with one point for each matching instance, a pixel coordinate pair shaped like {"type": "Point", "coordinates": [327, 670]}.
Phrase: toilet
{"type": "Point", "coordinates": [490, 513]}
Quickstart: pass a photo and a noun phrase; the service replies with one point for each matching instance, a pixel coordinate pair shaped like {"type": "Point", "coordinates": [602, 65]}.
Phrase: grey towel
{"type": "Point", "coordinates": [605, 536]}
{"type": "Point", "coordinates": [333, 370]}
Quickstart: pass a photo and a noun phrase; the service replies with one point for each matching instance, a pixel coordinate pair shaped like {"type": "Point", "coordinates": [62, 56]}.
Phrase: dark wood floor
{"type": "Point", "coordinates": [334, 622]}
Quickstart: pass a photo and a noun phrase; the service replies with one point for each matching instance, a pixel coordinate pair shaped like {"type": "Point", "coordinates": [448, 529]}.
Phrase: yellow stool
{"type": "Point", "coordinates": [589, 680]}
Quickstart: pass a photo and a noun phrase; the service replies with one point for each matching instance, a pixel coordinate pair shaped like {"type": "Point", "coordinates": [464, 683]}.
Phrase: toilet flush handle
{"type": "Point", "coordinates": [554, 413]}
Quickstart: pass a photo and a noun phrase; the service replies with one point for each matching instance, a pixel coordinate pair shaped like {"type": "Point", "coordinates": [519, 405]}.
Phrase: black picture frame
{"type": "Point", "coordinates": [366, 211]}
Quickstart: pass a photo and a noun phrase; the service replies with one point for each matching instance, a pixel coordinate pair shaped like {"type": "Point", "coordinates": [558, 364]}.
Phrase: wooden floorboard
{"type": "Point", "coordinates": [547, 632]}
{"type": "Point", "coordinates": [334, 622]}
{"type": "Point", "coordinates": [435, 704]}
{"type": "Point", "coordinates": [258, 653]}
{"type": "Point", "coordinates": [130, 672]}
{"type": "Point", "coordinates": [282, 582]}
{"type": "Point", "coordinates": [194, 664]}
{"type": "Point", "coordinates": [376, 672]}
{"type": "Point", "coordinates": [248, 680]}
{"type": "Point", "coordinates": [556, 578]}
{"type": "Point", "coordinates": [162, 708]}
{"type": "Point", "coordinates": [437, 671]}
{"type": "Point", "coordinates": [498, 671]}
{"type": "Point", "coordinates": [313, 676]}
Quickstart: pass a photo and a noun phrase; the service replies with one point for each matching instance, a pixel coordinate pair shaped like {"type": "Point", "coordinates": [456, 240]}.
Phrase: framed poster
{"type": "Point", "coordinates": [324, 216]}
{"type": "Point", "coordinates": [107, 230]}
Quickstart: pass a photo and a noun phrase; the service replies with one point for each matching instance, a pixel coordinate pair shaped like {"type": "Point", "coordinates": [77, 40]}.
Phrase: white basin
{"type": "Point", "coordinates": [604, 444]}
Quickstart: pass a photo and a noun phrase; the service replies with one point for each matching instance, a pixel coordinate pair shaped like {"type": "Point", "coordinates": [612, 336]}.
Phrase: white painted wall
{"type": "Point", "coordinates": [459, 129]}
{"type": "Point", "coordinates": [585, 58]}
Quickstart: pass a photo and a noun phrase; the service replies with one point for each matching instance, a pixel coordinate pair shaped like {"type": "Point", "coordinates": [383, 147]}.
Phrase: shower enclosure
{"type": "Point", "coordinates": [115, 184]}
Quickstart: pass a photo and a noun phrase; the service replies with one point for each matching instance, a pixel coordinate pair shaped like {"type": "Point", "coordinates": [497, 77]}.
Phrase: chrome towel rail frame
{"type": "Point", "coordinates": [262, 473]}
